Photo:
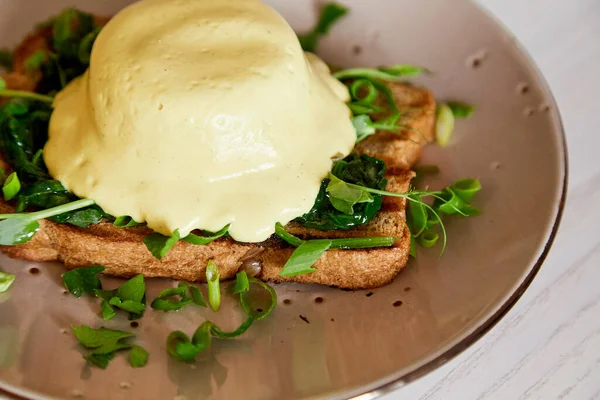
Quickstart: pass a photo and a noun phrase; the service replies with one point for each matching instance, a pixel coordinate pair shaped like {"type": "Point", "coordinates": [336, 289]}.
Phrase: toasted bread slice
{"type": "Point", "coordinates": [124, 254]}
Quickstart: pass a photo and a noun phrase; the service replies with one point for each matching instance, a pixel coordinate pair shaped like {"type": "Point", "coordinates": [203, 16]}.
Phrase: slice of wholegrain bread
{"type": "Point", "coordinates": [124, 254]}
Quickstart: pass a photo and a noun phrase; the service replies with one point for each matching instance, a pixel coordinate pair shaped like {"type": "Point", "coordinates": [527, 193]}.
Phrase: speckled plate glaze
{"type": "Point", "coordinates": [322, 342]}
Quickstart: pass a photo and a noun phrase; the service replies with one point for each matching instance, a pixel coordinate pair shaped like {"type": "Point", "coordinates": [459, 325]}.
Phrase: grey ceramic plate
{"type": "Point", "coordinates": [351, 343]}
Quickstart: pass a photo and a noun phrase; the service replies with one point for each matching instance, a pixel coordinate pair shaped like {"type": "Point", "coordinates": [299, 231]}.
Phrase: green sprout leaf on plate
{"type": "Point", "coordinates": [330, 14]}
{"type": "Point", "coordinates": [83, 280]}
{"type": "Point", "coordinates": [159, 245]}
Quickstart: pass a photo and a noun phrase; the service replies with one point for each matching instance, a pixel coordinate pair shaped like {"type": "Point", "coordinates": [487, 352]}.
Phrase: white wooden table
{"type": "Point", "coordinates": [548, 346]}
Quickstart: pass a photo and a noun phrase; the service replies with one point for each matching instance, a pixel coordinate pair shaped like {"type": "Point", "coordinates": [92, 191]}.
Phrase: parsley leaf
{"type": "Point", "coordinates": [83, 280]}
{"type": "Point", "coordinates": [103, 344]}
{"type": "Point", "coordinates": [330, 13]}
{"type": "Point", "coordinates": [129, 297]}
{"type": "Point", "coordinates": [159, 245]}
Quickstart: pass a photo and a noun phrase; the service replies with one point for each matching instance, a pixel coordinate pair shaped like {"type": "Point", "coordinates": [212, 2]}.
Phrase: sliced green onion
{"type": "Point", "coordinates": [11, 187]}
{"type": "Point", "coordinates": [241, 283]}
{"type": "Point", "coordinates": [444, 125]}
{"type": "Point", "coordinates": [461, 110]}
{"type": "Point", "coordinates": [428, 239]}
{"type": "Point", "coordinates": [125, 222]}
{"type": "Point", "coordinates": [214, 289]}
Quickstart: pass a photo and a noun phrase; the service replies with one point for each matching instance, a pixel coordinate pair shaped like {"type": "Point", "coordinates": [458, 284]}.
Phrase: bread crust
{"type": "Point", "coordinates": [123, 254]}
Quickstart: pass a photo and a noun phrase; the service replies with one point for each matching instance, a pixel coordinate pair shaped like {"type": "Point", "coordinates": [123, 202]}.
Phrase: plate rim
{"type": "Point", "coordinates": [486, 326]}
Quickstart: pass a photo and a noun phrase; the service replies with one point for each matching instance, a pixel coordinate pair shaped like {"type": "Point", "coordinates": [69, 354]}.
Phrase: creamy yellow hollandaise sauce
{"type": "Point", "coordinates": [195, 114]}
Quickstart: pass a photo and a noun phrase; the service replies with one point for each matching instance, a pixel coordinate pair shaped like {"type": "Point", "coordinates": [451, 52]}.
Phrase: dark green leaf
{"type": "Point", "coordinates": [17, 231]}
{"type": "Point", "coordinates": [343, 197]}
{"type": "Point", "coordinates": [461, 110]}
{"type": "Point", "coordinates": [241, 283]}
{"type": "Point", "coordinates": [99, 360]}
{"type": "Point", "coordinates": [6, 59]}
{"type": "Point", "coordinates": [159, 245]}
{"type": "Point", "coordinates": [304, 257]}
{"type": "Point", "coordinates": [82, 218]}
{"type": "Point", "coordinates": [361, 170]}
{"type": "Point", "coordinates": [44, 194]}
{"type": "Point", "coordinates": [138, 357]}
{"type": "Point", "coordinates": [85, 46]}
{"type": "Point", "coordinates": [83, 280]}
{"type": "Point", "coordinates": [330, 13]}
{"type": "Point", "coordinates": [11, 187]}
{"type": "Point", "coordinates": [6, 280]}
{"type": "Point", "coordinates": [203, 240]}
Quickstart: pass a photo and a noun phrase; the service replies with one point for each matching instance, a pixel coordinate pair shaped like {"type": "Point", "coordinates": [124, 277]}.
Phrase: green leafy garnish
{"type": "Point", "coordinates": [103, 344]}
{"type": "Point", "coordinates": [343, 198]}
{"type": "Point", "coordinates": [6, 280]}
{"type": "Point", "coordinates": [214, 288]}
{"type": "Point", "coordinates": [159, 245]}
{"type": "Point", "coordinates": [173, 299]}
{"type": "Point", "coordinates": [182, 348]}
{"type": "Point", "coordinates": [393, 73]}
{"type": "Point", "coordinates": [11, 186]}
{"type": "Point", "coordinates": [444, 125]}
{"type": "Point", "coordinates": [461, 110]}
{"type": "Point", "coordinates": [17, 231]}
{"type": "Point", "coordinates": [241, 283]}
{"type": "Point", "coordinates": [83, 280]}
{"type": "Point", "coordinates": [125, 222]}
{"type": "Point", "coordinates": [208, 238]}
{"type": "Point", "coordinates": [330, 13]}
{"type": "Point", "coordinates": [19, 228]}
{"type": "Point", "coordinates": [138, 357]}
{"type": "Point", "coordinates": [309, 251]}
{"type": "Point", "coordinates": [304, 257]}
{"type": "Point", "coordinates": [452, 200]}
{"type": "Point", "coordinates": [362, 170]}
{"type": "Point", "coordinates": [129, 297]}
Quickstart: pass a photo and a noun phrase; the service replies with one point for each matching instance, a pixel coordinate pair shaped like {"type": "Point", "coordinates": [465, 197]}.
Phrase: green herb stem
{"type": "Point", "coordinates": [344, 244]}
{"type": "Point", "coordinates": [26, 95]}
{"type": "Point", "coordinates": [50, 212]}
